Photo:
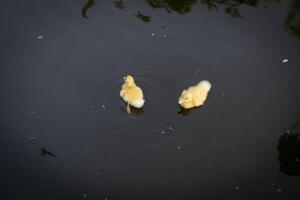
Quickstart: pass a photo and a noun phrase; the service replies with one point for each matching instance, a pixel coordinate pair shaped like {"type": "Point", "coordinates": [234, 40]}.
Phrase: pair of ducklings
{"type": "Point", "coordinates": [194, 96]}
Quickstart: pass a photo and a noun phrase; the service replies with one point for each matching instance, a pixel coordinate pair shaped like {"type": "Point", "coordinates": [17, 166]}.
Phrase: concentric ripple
{"type": "Point", "coordinates": [153, 118]}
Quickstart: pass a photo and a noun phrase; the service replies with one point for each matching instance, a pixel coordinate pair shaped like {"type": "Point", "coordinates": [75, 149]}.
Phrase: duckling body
{"type": "Point", "coordinates": [194, 96]}
{"type": "Point", "coordinates": [131, 93]}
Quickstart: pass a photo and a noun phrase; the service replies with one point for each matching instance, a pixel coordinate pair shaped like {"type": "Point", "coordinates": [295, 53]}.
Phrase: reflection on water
{"type": "Point", "coordinates": [180, 6]}
{"type": "Point", "coordinates": [184, 112]}
{"type": "Point", "coordinates": [230, 7]}
{"type": "Point", "coordinates": [144, 18]}
{"type": "Point", "coordinates": [289, 152]}
{"type": "Point", "coordinates": [134, 110]}
{"type": "Point", "coordinates": [292, 20]}
{"type": "Point", "coordinates": [120, 4]}
{"type": "Point", "coordinates": [45, 152]}
{"type": "Point", "coordinates": [86, 6]}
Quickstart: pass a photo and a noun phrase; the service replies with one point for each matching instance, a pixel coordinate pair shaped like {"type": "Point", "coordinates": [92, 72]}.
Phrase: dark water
{"type": "Point", "coordinates": [65, 133]}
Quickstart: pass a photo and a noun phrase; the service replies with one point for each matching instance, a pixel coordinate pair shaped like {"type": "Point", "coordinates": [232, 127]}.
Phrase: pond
{"type": "Point", "coordinates": [65, 132]}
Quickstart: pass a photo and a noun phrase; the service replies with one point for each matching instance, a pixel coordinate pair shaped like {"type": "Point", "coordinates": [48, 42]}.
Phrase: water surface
{"type": "Point", "coordinates": [60, 78]}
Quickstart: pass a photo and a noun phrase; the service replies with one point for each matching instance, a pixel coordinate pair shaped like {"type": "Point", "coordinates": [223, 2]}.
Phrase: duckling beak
{"type": "Point", "coordinates": [180, 101]}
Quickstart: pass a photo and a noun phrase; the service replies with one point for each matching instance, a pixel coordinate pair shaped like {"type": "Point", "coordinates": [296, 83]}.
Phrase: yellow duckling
{"type": "Point", "coordinates": [131, 93]}
{"type": "Point", "coordinates": [194, 96]}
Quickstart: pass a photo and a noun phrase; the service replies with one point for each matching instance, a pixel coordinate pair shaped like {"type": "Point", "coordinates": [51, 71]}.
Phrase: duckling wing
{"type": "Point", "coordinates": [200, 95]}
{"type": "Point", "coordinates": [132, 94]}
{"type": "Point", "coordinates": [136, 93]}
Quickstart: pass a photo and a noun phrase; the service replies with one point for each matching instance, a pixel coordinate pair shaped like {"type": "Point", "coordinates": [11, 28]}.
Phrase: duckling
{"type": "Point", "coordinates": [131, 93]}
{"type": "Point", "coordinates": [194, 96]}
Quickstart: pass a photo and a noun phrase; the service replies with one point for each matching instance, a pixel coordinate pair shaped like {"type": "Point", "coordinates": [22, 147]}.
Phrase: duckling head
{"type": "Point", "coordinates": [129, 81]}
{"type": "Point", "coordinates": [186, 99]}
